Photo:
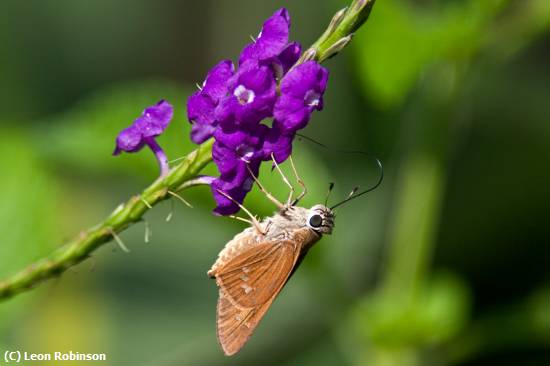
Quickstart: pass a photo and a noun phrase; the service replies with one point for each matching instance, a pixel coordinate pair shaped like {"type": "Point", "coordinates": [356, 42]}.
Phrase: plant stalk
{"type": "Point", "coordinates": [333, 40]}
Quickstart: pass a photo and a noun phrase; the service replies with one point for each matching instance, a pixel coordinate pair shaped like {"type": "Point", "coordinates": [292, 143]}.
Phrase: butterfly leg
{"type": "Point", "coordinates": [289, 200]}
{"type": "Point", "coordinates": [300, 182]}
{"type": "Point", "coordinates": [269, 195]}
{"type": "Point", "coordinates": [238, 218]}
{"type": "Point", "coordinates": [253, 220]}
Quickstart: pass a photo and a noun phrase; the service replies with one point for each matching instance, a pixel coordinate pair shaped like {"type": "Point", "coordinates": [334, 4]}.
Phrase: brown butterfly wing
{"type": "Point", "coordinates": [248, 285]}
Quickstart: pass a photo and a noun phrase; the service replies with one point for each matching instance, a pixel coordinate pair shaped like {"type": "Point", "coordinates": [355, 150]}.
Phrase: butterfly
{"type": "Point", "coordinates": [255, 265]}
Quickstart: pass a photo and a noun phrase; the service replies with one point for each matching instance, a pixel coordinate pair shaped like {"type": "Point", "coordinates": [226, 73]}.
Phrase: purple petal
{"type": "Point", "coordinates": [274, 35]}
{"type": "Point", "coordinates": [252, 98]}
{"type": "Point", "coordinates": [289, 56]}
{"type": "Point", "coordinates": [261, 92]}
{"type": "Point", "coordinates": [231, 138]}
{"type": "Point", "coordinates": [129, 140]}
{"type": "Point", "coordinates": [200, 132]}
{"type": "Point", "coordinates": [249, 56]}
{"type": "Point", "coordinates": [305, 77]}
{"type": "Point", "coordinates": [272, 39]}
{"type": "Point", "coordinates": [259, 80]}
{"type": "Point", "coordinates": [155, 119]}
{"type": "Point", "coordinates": [248, 115]}
{"type": "Point", "coordinates": [225, 112]}
{"type": "Point", "coordinates": [200, 111]}
{"type": "Point", "coordinates": [237, 176]}
{"type": "Point", "coordinates": [277, 143]}
{"type": "Point", "coordinates": [215, 84]}
{"type": "Point", "coordinates": [226, 206]}
{"type": "Point", "coordinates": [152, 122]}
{"type": "Point", "coordinates": [200, 108]}
{"type": "Point", "coordinates": [234, 139]}
{"type": "Point", "coordinates": [291, 113]}
{"type": "Point", "coordinates": [232, 167]}
{"type": "Point", "coordinates": [159, 115]}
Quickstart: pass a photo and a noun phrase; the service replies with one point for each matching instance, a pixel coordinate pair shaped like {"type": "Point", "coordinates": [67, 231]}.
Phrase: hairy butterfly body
{"type": "Point", "coordinates": [255, 265]}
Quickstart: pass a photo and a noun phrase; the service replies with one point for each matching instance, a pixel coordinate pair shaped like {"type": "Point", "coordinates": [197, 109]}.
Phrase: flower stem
{"type": "Point", "coordinates": [160, 155]}
{"type": "Point", "coordinates": [81, 247]}
{"type": "Point", "coordinates": [334, 39]}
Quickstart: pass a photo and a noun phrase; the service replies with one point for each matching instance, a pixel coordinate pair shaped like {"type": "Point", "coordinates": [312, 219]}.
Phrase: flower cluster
{"type": "Point", "coordinates": [232, 103]}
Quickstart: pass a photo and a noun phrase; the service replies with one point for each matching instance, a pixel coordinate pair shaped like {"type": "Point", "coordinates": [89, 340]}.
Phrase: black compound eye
{"type": "Point", "coordinates": [315, 220]}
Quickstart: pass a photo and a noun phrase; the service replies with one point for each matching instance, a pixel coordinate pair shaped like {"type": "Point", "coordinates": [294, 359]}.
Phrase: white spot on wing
{"type": "Point", "coordinates": [247, 289]}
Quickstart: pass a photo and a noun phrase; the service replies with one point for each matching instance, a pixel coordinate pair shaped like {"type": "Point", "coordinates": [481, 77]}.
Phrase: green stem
{"type": "Point", "coordinates": [335, 38]}
{"type": "Point", "coordinates": [340, 31]}
{"type": "Point", "coordinates": [80, 247]}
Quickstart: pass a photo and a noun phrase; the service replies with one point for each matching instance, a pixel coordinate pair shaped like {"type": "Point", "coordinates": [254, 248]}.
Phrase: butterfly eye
{"type": "Point", "coordinates": [315, 220]}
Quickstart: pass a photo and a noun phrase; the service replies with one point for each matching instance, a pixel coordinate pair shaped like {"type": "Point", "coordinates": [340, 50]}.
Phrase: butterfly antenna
{"type": "Point", "coordinates": [330, 188]}
{"type": "Point", "coordinates": [353, 194]}
{"type": "Point", "coordinates": [353, 191]}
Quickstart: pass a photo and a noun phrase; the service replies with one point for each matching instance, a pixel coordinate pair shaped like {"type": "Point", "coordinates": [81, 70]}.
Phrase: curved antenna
{"type": "Point", "coordinates": [353, 195]}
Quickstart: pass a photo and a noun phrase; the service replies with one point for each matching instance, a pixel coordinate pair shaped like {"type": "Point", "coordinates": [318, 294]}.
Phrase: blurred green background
{"type": "Point", "coordinates": [446, 264]}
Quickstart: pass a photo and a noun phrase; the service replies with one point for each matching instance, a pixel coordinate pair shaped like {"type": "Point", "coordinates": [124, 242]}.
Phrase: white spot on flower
{"type": "Point", "coordinates": [312, 98]}
{"type": "Point", "coordinates": [245, 152]}
{"type": "Point", "coordinates": [244, 95]}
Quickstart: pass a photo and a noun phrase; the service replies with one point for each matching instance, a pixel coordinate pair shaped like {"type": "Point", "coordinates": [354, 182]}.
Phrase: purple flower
{"type": "Point", "coordinates": [272, 39]}
{"type": "Point", "coordinates": [271, 48]}
{"type": "Point", "coordinates": [152, 122]}
{"type": "Point", "coordinates": [225, 206]}
{"type": "Point", "coordinates": [202, 104]}
{"type": "Point", "coordinates": [232, 104]}
{"type": "Point", "coordinates": [277, 143]}
{"type": "Point", "coordinates": [252, 95]}
{"type": "Point", "coordinates": [302, 92]}
{"type": "Point", "coordinates": [286, 59]}
{"type": "Point", "coordinates": [236, 154]}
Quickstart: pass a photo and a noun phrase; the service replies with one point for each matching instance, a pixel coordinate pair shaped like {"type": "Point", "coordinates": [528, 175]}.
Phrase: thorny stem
{"type": "Point", "coordinates": [333, 40]}
{"type": "Point", "coordinates": [125, 215]}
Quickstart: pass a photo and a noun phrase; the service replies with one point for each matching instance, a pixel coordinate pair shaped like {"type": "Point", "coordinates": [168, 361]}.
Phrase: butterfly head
{"type": "Point", "coordinates": [320, 219]}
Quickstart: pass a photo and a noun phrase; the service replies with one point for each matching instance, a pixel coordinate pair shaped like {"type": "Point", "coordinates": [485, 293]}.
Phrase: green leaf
{"type": "Point", "coordinates": [435, 314]}
{"type": "Point", "coordinates": [404, 39]}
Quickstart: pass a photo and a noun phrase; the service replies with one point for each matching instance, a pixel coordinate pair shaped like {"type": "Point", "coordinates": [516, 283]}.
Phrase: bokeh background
{"type": "Point", "coordinates": [447, 263]}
